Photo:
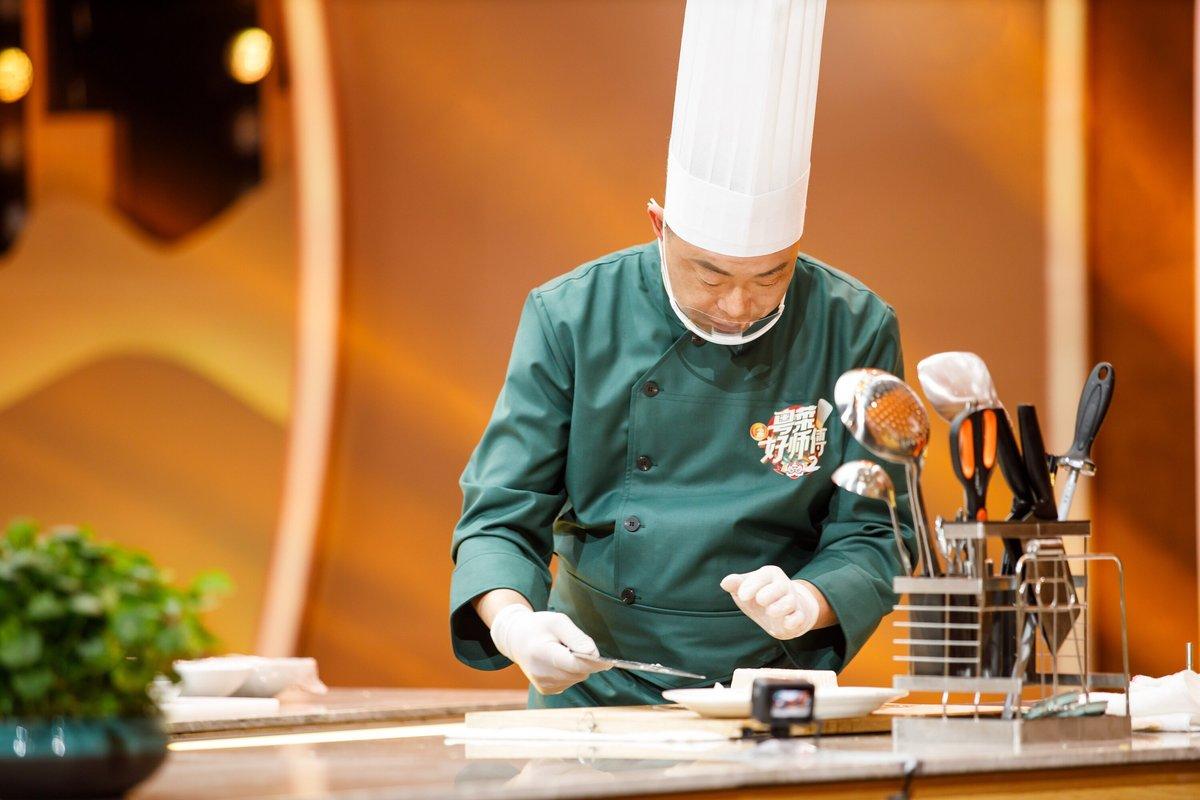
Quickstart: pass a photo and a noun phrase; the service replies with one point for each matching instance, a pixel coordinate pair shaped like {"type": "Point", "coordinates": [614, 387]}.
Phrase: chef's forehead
{"type": "Point", "coordinates": [734, 265]}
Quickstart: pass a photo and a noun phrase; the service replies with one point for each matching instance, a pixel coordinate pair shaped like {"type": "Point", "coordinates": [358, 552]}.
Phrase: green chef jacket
{"type": "Point", "coordinates": [653, 463]}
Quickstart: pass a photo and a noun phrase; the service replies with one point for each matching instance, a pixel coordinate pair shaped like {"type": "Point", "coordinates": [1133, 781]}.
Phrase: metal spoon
{"type": "Point", "coordinates": [955, 381]}
{"type": "Point", "coordinates": [885, 415]}
{"type": "Point", "coordinates": [868, 479]}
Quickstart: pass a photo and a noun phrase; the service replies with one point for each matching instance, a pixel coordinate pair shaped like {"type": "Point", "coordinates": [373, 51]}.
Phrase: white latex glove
{"type": "Point", "coordinates": [781, 606]}
{"type": "Point", "coordinates": [539, 642]}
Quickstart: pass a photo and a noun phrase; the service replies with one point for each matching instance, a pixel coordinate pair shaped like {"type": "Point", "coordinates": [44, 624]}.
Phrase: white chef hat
{"type": "Point", "coordinates": [738, 161]}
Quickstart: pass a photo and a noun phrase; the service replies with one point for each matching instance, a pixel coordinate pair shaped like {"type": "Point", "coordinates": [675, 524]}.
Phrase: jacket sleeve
{"type": "Point", "coordinates": [856, 558]}
{"type": "Point", "coordinates": [513, 488]}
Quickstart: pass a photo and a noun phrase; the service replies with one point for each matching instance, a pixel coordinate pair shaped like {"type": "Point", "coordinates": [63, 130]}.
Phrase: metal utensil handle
{"type": "Point", "coordinates": [904, 559]}
{"type": "Point", "coordinates": [1068, 492]}
{"type": "Point", "coordinates": [912, 476]}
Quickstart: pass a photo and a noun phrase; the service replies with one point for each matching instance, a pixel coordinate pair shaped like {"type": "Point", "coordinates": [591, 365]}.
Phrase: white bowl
{"type": "Point", "coordinates": [212, 677]}
{"type": "Point", "coordinates": [270, 676]}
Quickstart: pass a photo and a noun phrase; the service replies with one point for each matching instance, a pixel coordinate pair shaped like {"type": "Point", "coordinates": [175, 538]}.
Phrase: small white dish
{"type": "Point", "coordinates": [212, 677]}
{"type": "Point", "coordinates": [831, 702]}
{"type": "Point", "coordinates": [270, 676]}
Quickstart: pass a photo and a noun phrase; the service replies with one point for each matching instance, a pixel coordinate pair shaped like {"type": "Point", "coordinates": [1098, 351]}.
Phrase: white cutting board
{"type": "Point", "coordinates": [641, 719]}
{"type": "Point", "coordinates": [206, 709]}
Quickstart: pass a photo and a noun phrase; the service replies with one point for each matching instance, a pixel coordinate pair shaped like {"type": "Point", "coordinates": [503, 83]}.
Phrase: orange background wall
{"type": "Point", "coordinates": [492, 146]}
{"type": "Point", "coordinates": [487, 147]}
{"type": "Point", "coordinates": [1143, 272]}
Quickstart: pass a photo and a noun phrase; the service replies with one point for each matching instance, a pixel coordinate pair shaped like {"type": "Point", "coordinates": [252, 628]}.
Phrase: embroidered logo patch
{"type": "Point", "coordinates": [794, 440]}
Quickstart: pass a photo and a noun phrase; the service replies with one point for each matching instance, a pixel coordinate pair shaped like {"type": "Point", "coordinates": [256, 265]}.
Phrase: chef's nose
{"type": "Point", "coordinates": [736, 304]}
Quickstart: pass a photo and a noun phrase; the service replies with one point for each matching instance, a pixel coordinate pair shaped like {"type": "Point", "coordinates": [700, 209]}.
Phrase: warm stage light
{"type": "Point", "coordinates": [251, 53]}
{"type": "Point", "coordinates": [16, 74]}
{"type": "Point", "coordinates": [319, 737]}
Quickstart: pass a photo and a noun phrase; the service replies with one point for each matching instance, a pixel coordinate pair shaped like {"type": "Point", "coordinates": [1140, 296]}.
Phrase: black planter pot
{"type": "Point", "coordinates": [78, 758]}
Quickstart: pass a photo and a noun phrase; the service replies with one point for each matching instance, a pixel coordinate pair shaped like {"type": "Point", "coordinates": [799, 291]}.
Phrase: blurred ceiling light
{"type": "Point", "coordinates": [16, 74]}
{"type": "Point", "coordinates": [251, 52]}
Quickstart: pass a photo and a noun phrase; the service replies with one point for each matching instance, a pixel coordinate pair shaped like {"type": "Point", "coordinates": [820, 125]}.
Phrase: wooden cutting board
{"type": "Point", "coordinates": [639, 719]}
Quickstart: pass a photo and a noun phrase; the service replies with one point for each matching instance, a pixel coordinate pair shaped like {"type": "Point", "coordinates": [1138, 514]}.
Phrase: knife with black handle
{"type": "Point", "coordinates": [1008, 456]}
{"type": "Point", "coordinates": [1033, 454]}
{"type": "Point", "coordinates": [1003, 629]}
{"type": "Point", "coordinates": [1094, 401]}
{"type": "Point", "coordinates": [1093, 405]}
{"type": "Point", "coordinates": [1056, 626]}
{"type": "Point", "coordinates": [1012, 467]}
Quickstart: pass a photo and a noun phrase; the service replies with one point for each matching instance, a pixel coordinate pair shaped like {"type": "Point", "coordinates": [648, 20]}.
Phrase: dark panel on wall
{"type": "Point", "coordinates": [16, 76]}
{"type": "Point", "coordinates": [188, 138]}
{"type": "Point", "coordinates": [1140, 250]}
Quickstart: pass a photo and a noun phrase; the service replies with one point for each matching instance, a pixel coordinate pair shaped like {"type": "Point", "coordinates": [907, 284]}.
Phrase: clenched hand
{"type": "Point", "coordinates": [781, 606]}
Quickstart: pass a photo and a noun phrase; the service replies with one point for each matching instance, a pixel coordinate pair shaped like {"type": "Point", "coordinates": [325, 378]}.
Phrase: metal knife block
{"type": "Point", "coordinates": [965, 635]}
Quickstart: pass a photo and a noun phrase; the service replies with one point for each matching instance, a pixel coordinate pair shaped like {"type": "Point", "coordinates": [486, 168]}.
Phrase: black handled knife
{"type": "Point", "coordinates": [1033, 454]}
{"type": "Point", "coordinates": [1056, 626]}
{"type": "Point", "coordinates": [1093, 405]}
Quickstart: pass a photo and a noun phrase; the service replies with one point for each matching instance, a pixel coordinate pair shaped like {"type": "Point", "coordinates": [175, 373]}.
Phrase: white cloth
{"type": "Point", "coordinates": [1171, 703]}
{"type": "Point", "coordinates": [741, 135]}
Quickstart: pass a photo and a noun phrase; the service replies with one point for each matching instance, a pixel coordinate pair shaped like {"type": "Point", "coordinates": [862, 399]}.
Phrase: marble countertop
{"type": "Point", "coordinates": [347, 706]}
{"type": "Point", "coordinates": [419, 761]}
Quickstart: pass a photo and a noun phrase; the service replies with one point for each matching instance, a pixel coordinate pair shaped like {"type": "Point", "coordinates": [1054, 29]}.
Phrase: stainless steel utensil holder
{"type": "Point", "coordinates": [981, 635]}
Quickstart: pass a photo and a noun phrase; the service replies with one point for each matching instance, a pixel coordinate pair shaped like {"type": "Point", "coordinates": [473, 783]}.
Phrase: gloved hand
{"type": "Point", "coordinates": [781, 606]}
{"type": "Point", "coordinates": [539, 643]}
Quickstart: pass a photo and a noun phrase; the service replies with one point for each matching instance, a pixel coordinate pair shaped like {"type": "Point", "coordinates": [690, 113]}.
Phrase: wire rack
{"type": "Point", "coordinates": [991, 637]}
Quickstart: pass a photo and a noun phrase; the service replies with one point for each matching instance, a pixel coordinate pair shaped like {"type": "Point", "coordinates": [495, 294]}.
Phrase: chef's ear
{"type": "Point", "coordinates": [655, 212]}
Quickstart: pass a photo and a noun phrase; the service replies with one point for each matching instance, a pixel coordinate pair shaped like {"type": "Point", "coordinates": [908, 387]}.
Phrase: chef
{"type": "Point", "coordinates": [665, 424]}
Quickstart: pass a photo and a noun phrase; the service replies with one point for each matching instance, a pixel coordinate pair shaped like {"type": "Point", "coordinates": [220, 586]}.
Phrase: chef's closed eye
{"type": "Point", "coordinates": [773, 277]}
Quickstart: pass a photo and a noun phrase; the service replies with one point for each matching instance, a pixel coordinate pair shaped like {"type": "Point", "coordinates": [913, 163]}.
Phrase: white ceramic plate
{"type": "Point", "coordinates": [832, 702]}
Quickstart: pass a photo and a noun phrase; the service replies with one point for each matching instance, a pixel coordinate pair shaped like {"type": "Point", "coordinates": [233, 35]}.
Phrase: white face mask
{"type": "Point", "coordinates": [709, 332]}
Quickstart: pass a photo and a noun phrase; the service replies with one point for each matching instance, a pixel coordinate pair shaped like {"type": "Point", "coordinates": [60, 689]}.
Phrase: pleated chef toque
{"type": "Point", "coordinates": [738, 161]}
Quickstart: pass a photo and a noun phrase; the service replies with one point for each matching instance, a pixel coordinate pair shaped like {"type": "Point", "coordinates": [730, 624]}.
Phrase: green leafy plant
{"type": "Point", "coordinates": [86, 626]}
